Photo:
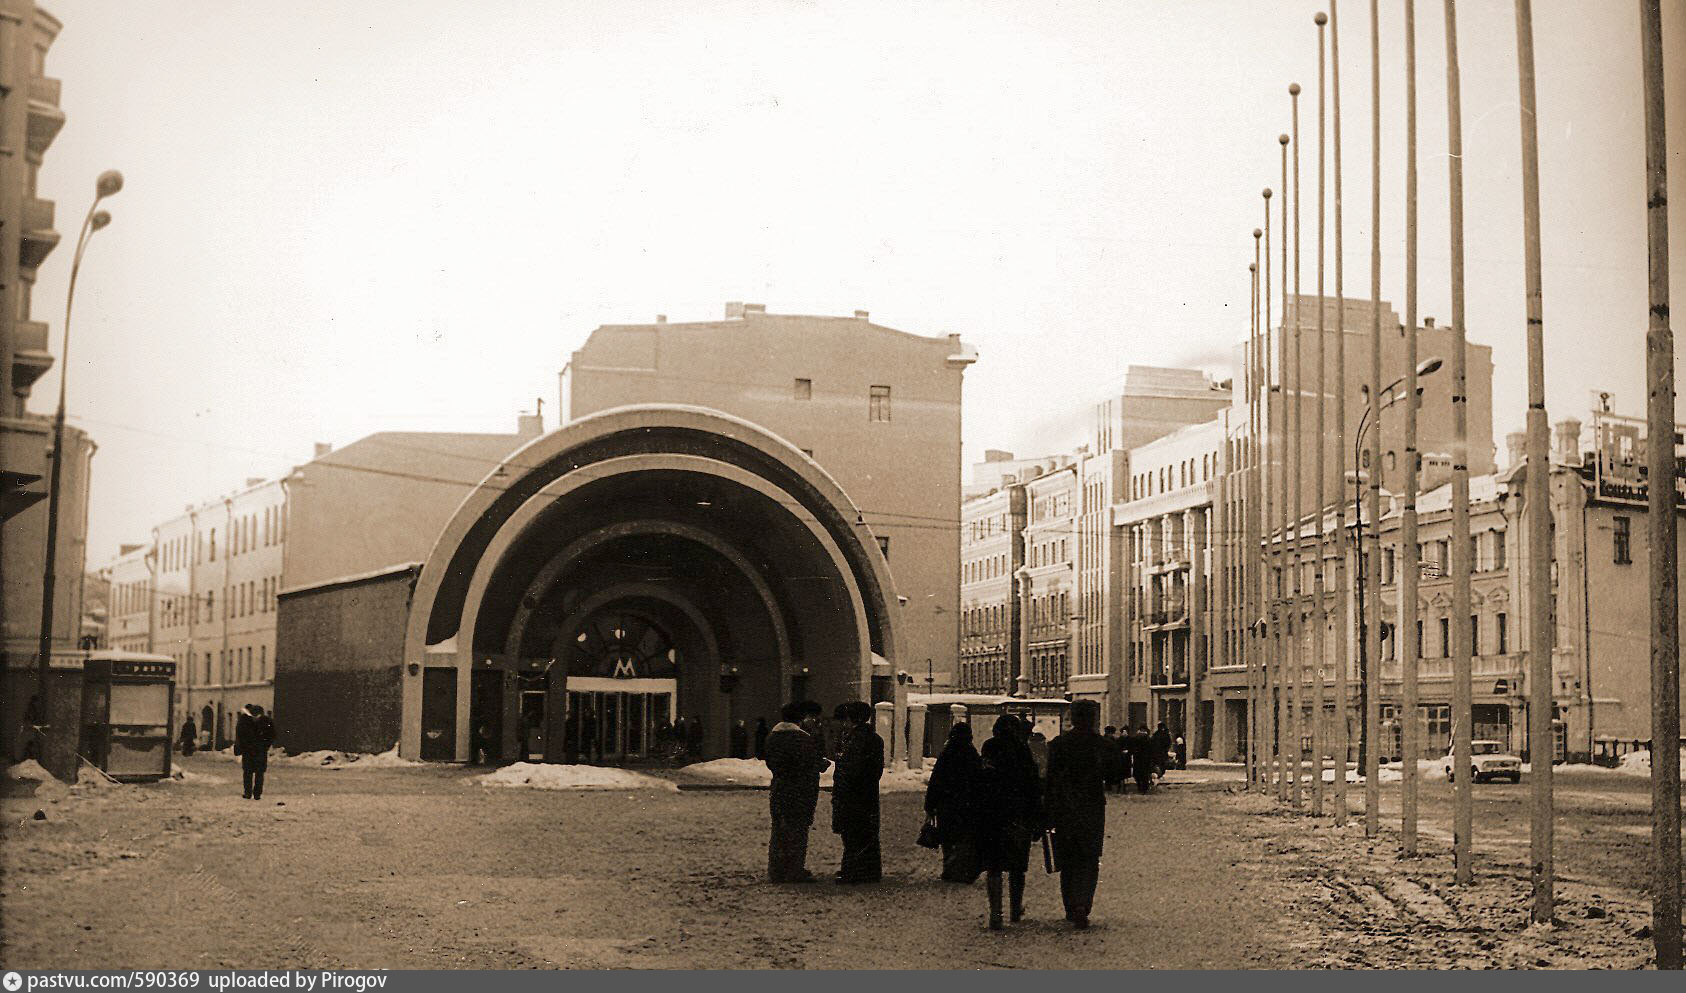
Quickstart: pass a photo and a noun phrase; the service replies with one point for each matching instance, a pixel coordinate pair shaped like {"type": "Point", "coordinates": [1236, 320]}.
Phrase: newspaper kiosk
{"type": "Point", "coordinates": [127, 699]}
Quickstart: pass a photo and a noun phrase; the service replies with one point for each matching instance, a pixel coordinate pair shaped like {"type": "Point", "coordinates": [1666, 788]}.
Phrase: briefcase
{"type": "Point", "coordinates": [1048, 854]}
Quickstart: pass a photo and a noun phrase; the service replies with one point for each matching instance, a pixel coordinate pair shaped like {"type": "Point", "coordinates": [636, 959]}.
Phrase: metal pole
{"type": "Point", "coordinates": [1463, 797]}
{"type": "Point", "coordinates": [1536, 513]}
{"type": "Point", "coordinates": [1372, 574]}
{"type": "Point", "coordinates": [1342, 651]}
{"type": "Point", "coordinates": [1249, 538]}
{"type": "Point", "coordinates": [1296, 662]}
{"type": "Point", "coordinates": [1664, 524]}
{"type": "Point", "coordinates": [1284, 628]}
{"type": "Point", "coordinates": [1319, 611]}
{"type": "Point", "coordinates": [1267, 546]}
{"type": "Point", "coordinates": [1410, 746]}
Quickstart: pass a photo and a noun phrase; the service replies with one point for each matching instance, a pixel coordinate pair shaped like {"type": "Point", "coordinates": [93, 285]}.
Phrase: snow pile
{"type": "Point", "coordinates": [33, 780]}
{"type": "Point", "coordinates": [905, 780]}
{"type": "Point", "coordinates": [89, 776]}
{"type": "Point", "coordinates": [742, 772]}
{"type": "Point", "coordinates": [180, 775]}
{"type": "Point", "coordinates": [1639, 763]}
{"type": "Point", "coordinates": [30, 770]}
{"type": "Point", "coordinates": [330, 759]}
{"type": "Point", "coordinates": [544, 776]}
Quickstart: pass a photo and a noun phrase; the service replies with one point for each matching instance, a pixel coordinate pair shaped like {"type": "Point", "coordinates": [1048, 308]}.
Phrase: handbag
{"type": "Point", "coordinates": [928, 836]}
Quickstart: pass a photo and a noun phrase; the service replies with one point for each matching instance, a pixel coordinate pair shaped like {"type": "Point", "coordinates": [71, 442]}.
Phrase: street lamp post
{"type": "Point", "coordinates": [1366, 658]}
{"type": "Point", "coordinates": [108, 183]}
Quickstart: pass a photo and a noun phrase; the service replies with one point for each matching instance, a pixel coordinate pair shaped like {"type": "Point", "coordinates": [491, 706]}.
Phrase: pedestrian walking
{"type": "Point", "coordinates": [1075, 796]}
{"type": "Point", "coordinates": [1038, 743]}
{"type": "Point", "coordinates": [854, 795]}
{"type": "Point", "coordinates": [1009, 815]}
{"type": "Point", "coordinates": [1180, 749]}
{"type": "Point", "coordinates": [254, 732]}
{"type": "Point", "coordinates": [950, 799]}
{"type": "Point", "coordinates": [1141, 759]}
{"type": "Point", "coordinates": [761, 737]}
{"type": "Point", "coordinates": [189, 736]}
{"type": "Point", "coordinates": [1161, 749]}
{"type": "Point", "coordinates": [740, 740]}
{"type": "Point", "coordinates": [793, 756]}
{"type": "Point", "coordinates": [1114, 782]}
{"type": "Point", "coordinates": [694, 737]}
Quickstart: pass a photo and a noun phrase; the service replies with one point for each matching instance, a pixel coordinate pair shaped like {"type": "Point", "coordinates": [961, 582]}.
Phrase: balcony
{"type": "Point", "coordinates": [39, 238]}
{"type": "Point", "coordinates": [1164, 676]}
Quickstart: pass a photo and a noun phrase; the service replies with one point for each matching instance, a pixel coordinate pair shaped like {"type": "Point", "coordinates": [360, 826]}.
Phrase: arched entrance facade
{"type": "Point", "coordinates": [637, 580]}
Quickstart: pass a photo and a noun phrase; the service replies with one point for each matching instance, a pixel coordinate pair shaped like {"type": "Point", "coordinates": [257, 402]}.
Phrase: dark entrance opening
{"type": "Point", "coordinates": [439, 714]}
{"type": "Point", "coordinates": [485, 716]}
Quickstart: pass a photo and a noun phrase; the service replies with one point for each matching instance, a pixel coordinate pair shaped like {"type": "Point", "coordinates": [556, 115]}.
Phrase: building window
{"type": "Point", "coordinates": [878, 408]}
{"type": "Point", "coordinates": [213, 544]}
{"type": "Point", "coordinates": [1445, 637]}
{"type": "Point", "coordinates": [1504, 635]}
{"type": "Point", "coordinates": [1498, 550]}
{"type": "Point", "coordinates": [1475, 634]}
{"type": "Point", "coordinates": [1624, 541]}
{"type": "Point", "coordinates": [804, 389]}
{"type": "Point", "coordinates": [884, 546]}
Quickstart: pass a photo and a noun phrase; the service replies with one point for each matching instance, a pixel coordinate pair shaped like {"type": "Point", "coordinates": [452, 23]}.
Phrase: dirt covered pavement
{"type": "Point", "coordinates": [425, 868]}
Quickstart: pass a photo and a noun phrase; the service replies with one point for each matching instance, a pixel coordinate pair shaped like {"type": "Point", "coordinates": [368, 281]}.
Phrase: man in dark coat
{"type": "Point", "coordinates": [854, 795]}
{"type": "Point", "coordinates": [254, 732]}
{"type": "Point", "coordinates": [794, 759]}
{"type": "Point", "coordinates": [761, 732]}
{"type": "Point", "coordinates": [1141, 759]}
{"type": "Point", "coordinates": [189, 736]}
{"type": "Point", "coordinates": [1162, 748]}
{"type": "Point", "coordinates": [1075, 798]}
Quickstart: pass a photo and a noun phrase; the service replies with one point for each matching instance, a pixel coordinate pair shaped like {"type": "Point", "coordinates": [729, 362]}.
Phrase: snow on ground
{"type": "Point", "coordinates": [1639, 763]}
{"type": "Point", "coordinates": [180, 775]}
{"type": "Point", "coordinates": [753, 772]}
{"type": "Point", "coordinates": [546, 776]}
{"type": "Point", "coordinates": [328, 759]}
{"type": "Point", "coordinates": [28, 770]}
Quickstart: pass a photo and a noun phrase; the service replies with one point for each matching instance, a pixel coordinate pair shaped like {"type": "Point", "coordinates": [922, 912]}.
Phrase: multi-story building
{"type": "Point", "coordinates": [1047, 586]}
{"type": "Point", "coordinates": [129, 600]}
{"type": "Point", "coordinates": [991, 552]}
{"type": "Point", "coordinates": [30, 119]}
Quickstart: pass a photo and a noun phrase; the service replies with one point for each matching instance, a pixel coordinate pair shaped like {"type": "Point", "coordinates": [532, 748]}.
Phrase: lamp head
{"type": "Point", "coordinates": [100, 220]}
{"type": "Point", "coordinates": [1429, 365]}
{"type": "Point", "coordinates": [109, 182]}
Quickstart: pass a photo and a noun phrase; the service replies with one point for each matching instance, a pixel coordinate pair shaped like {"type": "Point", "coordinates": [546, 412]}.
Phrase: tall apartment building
{"type": "Point", "coordinates": [129, 600]}
{"type": "Point", "coordinates": [1047, 587]}
{"type": "Point", "coordinates": [991, 552]}
{"type": "Point", "coordinates": [30, 119]}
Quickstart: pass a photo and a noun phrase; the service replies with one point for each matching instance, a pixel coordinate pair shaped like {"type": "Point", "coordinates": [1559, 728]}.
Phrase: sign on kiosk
{"type": "Point", "coordinates": [127, 699]}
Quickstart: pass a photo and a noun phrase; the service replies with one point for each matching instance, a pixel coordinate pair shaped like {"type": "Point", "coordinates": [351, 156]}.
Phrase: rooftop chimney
{"type": "Point", "coordinates": [661, 318]}
{"type": "Point", "coordinates": [1436, 472]}
{"type": "Point", "coordinates": [754, 308]}
{"type": "Point", "coordinates": [734, 309]}
{"type": "Point", "coordinates": [1566, 441]}
{"type": "Point", "coordinates": [997, 455]}
{"type": "Point", "coordinates": [1516, 448]}
{"type": "Point", "coordinates": [1428, 323]}
{"type": "Point", "coordinates": [861, 315]}
{"type": "Point", "coordinates": [323, 448]}
{"type": "Point", "coordinates": [252, 481]}
{"type": "Point", "coordinates": [127, 549]}
{"type": "Point", "coordinates": [529, 425]}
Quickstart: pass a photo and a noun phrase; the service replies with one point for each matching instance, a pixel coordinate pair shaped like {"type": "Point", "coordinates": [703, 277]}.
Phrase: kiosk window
{"type": "Point", "coordinates": [144, 703]}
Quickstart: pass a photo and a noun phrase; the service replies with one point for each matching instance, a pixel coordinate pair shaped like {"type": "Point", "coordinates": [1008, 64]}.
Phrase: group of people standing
{"type": "Point", "coordinates": [1143, 757]}
{"type": "Point", "coordinates": [987, 807]}
{"type": "Point", "coordinates": [990, 805]}
{"type": "Point", "coordinates": [795, 754]}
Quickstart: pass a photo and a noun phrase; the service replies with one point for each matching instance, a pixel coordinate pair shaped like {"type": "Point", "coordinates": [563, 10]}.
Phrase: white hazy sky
{"type": "Point", "coordinates": [345, 217]}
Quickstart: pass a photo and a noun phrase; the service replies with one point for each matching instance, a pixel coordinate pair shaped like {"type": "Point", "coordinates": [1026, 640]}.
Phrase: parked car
{"type": "Point", "coordinates": [1489, 760]}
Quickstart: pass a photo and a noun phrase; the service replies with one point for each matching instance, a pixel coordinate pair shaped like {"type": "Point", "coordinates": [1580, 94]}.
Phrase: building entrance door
{"type": "Point", "coordinates": [618, 720]}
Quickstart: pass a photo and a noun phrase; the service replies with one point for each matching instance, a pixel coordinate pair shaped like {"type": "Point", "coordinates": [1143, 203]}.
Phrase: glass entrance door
{"type": "Point", "coordinates": [617, 720]}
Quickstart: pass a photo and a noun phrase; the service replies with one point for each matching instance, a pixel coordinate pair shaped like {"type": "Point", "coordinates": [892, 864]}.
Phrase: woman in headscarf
{"type": "Point", "coordinates": [1009, 814]}
{"type": "Point", "coordinates": [950, 798]}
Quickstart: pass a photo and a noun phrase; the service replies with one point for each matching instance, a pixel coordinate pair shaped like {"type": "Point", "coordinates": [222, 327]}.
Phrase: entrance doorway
{"type": "Point", "coordinates": [618, 720]}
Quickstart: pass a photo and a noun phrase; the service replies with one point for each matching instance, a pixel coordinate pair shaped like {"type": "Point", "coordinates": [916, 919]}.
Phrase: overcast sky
{"type": "Point", "coordinates": [346, 217]}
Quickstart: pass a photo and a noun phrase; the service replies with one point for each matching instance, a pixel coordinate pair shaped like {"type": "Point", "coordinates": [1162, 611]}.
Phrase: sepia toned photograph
{"type": "Point", "coordinates": [503, 487]}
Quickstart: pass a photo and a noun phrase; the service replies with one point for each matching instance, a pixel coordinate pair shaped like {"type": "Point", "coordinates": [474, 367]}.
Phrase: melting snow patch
{"type": "Point", "coordinates": [744, 772]}
{"type": "Point", "coordinates": [545, 776]}
{"type": "Point", "coordinates": [329, 759]}
{"type": "Point", "coordinates": [180, 775]}
{"type": "Point", "coordinates": [29, 769]}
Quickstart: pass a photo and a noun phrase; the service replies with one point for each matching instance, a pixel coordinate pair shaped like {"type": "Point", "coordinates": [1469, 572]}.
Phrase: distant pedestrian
{"type": "Point", "coordinates": [761, 737]}
{"type": "Point", "coordinates": [694, 737]}
{"type": "Point", "coordinates": [1038, 743]}
{"type": "Point", "coordinates": [1141, 759]}
{"type": "Point", "coordinates": [1078, 762]}
{"type": "Point", "coordinates": [740, 740]}
{"type": "Point", "coordinates": [950, 798]}
{"type": "Point", "coordinates": [1161, 749]}
{"type": "Point", "coordinates": [794, 758]}
{"type": "Point", "coordinates": [1009, 810]}
{"type": "Point", "coordinates": [254, 732]}
{"type": "Point", "coordinates": [854, 795]}
{"type": "Point", "coordinates": [189, 736]}
{"type": "Point", "coordinates": [1115, 782]}
{"type": "Point", "coordinates": [1180, 749]}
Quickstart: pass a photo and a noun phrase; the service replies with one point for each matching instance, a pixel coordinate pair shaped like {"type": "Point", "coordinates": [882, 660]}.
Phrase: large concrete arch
{"type": "Point", "coordinates": [533, 508]}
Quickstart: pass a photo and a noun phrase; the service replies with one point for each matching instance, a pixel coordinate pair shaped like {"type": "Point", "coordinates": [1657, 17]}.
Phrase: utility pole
{"type": "Point", "coordinates": [1319, 610]}
{"type": "Point", "coordinates": [1342, 649]}
{"type": "Point", "coordinates": [1296, 663]}
{"type": "Point", "coordinates": [1664, 524]}
{"type": "Point", "coordinates": [1284, 589]}
{"type": "Point", "coordinates": [1249, 537]}
{"type": "Point", "coordinates": [1536, 512]}
{"type": "Point", "coordinates": [1372, 565]}
{"type": "Point", "coordinates": [1410, 746]}
{"type": "Point", "coordinates": [1463, 630]}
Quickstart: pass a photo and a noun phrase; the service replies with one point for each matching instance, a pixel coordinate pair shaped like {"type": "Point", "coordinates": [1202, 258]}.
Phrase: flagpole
{"type": "Point", "coordinates": [1343, 655]}
{"type": "Point", "coordinates": [1372, 565]}
{"type": "Point", "coordinates": [1319, 610]}
{"type": "Point", "coordinates": [1296, 664]}
{"type": "Point", "coordinates": [1409, 718]}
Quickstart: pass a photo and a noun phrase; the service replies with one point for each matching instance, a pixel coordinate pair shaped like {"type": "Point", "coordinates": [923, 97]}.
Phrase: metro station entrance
{"type": "Point", "coordinates": [618, 720]}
